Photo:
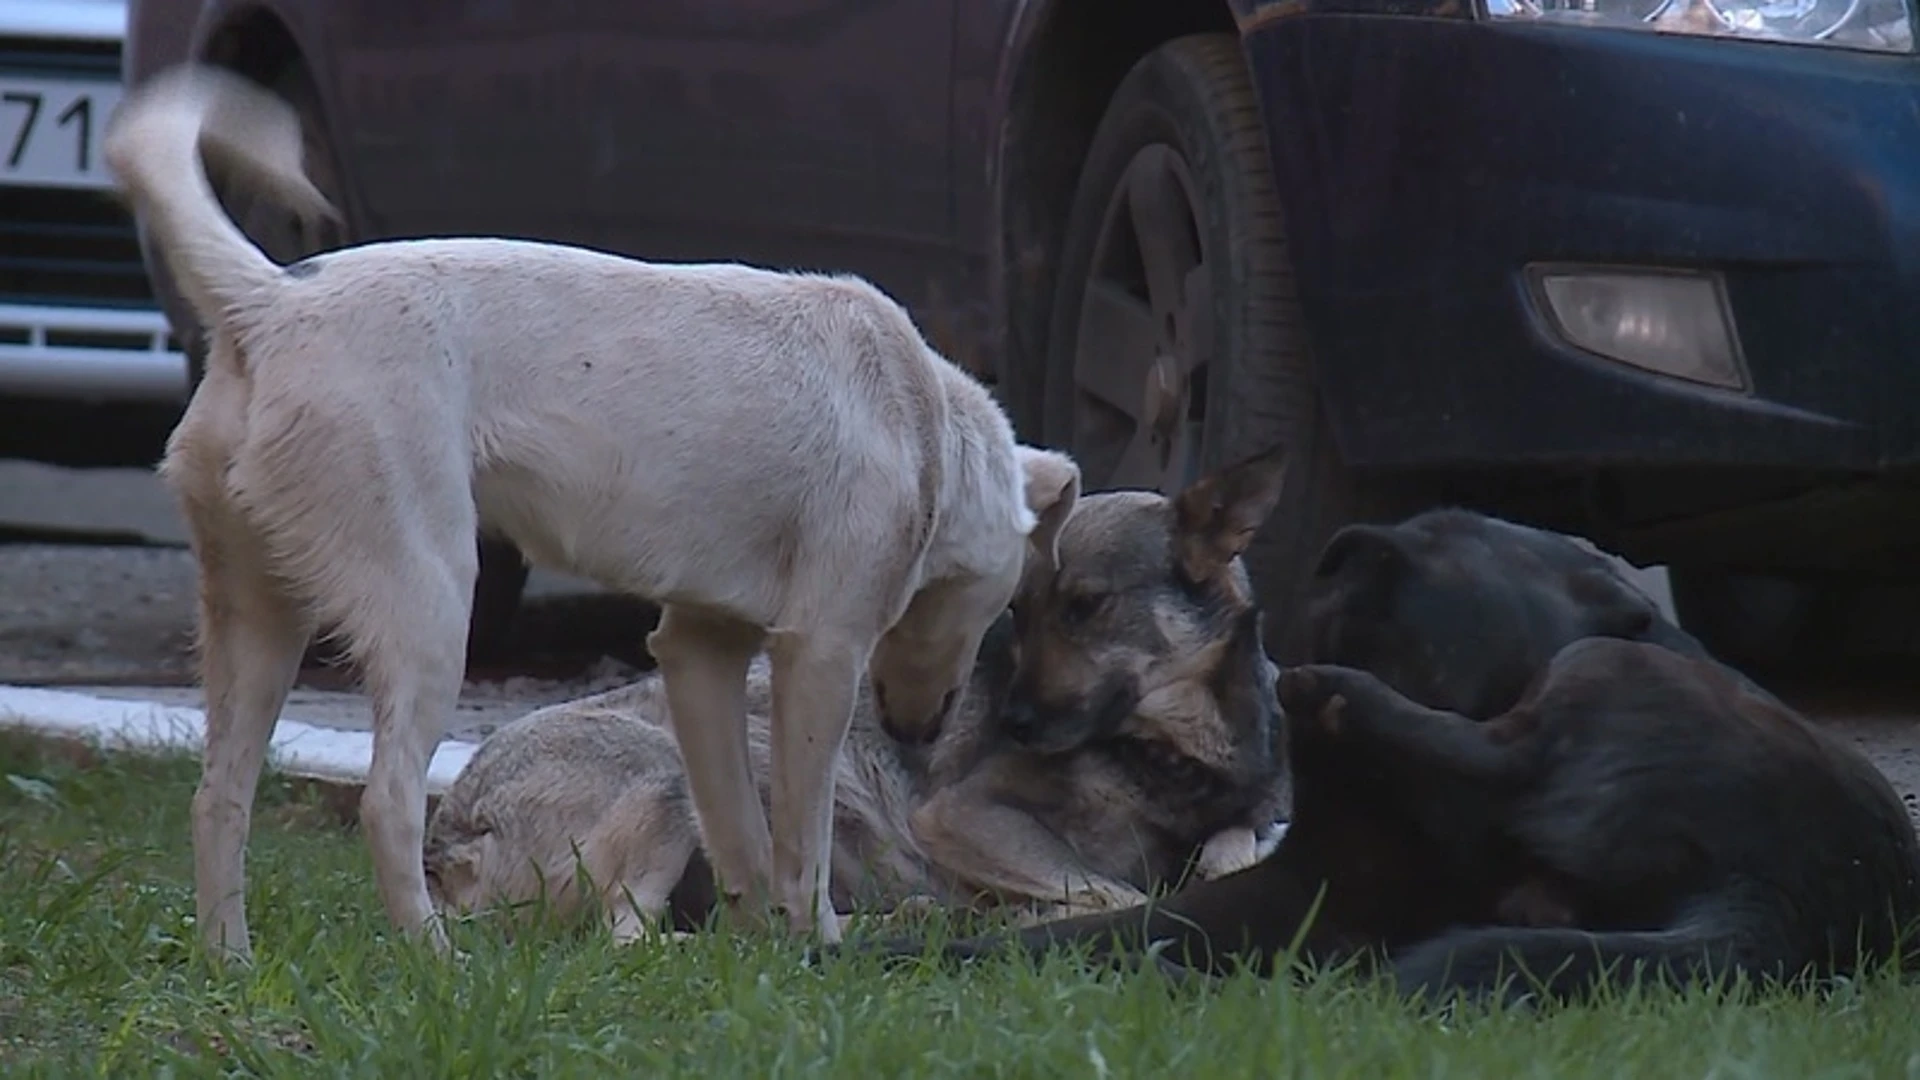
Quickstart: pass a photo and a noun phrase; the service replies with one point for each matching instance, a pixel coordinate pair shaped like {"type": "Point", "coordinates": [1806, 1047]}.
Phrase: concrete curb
{"type": "Point", "coordinates": [298, 749]}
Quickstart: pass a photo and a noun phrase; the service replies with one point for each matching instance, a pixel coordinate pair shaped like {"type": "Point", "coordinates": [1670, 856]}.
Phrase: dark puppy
{"type": "Point", "coordinates": [1463, 612]}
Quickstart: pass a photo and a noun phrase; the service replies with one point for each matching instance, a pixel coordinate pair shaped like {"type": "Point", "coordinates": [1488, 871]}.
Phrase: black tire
{"type": "Point", "coordinates": [502, 578]}
{"type": "Point", "coordinates": [1193, 95]}
{"type": "Point", "coordinates": [497, 592]}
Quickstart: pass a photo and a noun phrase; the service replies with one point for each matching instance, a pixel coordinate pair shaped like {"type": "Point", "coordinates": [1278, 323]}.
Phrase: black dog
{"type": "Point", "coordinates": [1646, 812]}
{"type": "Point", "coordinates": [1460, 611]}
{"type": "Point", "coordinates": [1642, 804]}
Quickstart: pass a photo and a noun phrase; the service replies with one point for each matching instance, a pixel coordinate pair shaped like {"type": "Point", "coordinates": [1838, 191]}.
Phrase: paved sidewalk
{"type": "Point", "coordinates": [322, 735]}
{"type": "Point", "coordinates": [481, 710]}
{"type": "Point", "coordinates": [337, 756]}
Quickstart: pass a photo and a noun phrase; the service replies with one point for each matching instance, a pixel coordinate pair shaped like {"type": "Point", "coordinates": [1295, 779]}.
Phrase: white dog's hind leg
{"type": "Point", "coordinates": [411, 640]}
{"type": "Point", "coordinates": [815, 683]}
{"type": "Point", "coordinates": [393, 810]}
{"type": "Point", "coordinates": [703, 664]}
{"type": "Point", "coordinates": [251, 638]}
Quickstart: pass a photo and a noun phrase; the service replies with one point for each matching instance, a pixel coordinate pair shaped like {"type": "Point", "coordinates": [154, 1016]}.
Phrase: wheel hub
{"type": "Point", "coordinates": [1165, 399]}
{"type": "Point", "coordinates": [1145, 332]}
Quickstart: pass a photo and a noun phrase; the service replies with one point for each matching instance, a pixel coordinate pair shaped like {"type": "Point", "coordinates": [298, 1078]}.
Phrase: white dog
{"type": "Point", "coordinates": [777, 459]}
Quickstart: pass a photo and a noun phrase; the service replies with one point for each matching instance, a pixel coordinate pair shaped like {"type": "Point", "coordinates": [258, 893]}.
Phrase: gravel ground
{"type": "Point", "coordinates": [118, 621]}
{"type": "Point", "coordinates": [109, 614]}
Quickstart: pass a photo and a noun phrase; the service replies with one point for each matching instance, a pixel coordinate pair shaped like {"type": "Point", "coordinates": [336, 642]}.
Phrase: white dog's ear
{"type": "Point", "coordinates": [1052, 482]}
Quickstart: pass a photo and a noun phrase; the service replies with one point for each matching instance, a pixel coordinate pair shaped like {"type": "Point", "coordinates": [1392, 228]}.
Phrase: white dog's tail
{"type": "Point", "coordinates": [153, 146]}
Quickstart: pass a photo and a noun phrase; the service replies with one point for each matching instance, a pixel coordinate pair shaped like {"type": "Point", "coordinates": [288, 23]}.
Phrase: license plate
{"type": "Point", "coordinates": [51, 128]}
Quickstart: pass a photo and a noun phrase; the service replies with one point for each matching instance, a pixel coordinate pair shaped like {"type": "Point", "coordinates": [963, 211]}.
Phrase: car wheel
{"type": "Point", "coordinates": [497, 591]}
{"type": "Point", "coordinates": [283, 236]}
{"type": "Point", "coordinates": [1175, 343]}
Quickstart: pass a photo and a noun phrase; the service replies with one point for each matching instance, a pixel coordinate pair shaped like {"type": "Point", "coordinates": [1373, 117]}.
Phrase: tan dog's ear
{"type": "Point", "coordinates": [1217, 515]}
{"type": "Point", "coordinates": [1052, 488]}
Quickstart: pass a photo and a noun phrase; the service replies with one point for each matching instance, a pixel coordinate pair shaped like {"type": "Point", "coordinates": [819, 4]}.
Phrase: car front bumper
{"type": "Point", "coordinates": [89, 353]}
{"type": "Point", "coordinates": [78, 321]}
{"type": "Point", "coordinates": [1426, 162]}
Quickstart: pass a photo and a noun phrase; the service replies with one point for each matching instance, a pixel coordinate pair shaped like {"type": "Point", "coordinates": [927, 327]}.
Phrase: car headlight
{"type": "Point", "coordinates": [1880, 25]}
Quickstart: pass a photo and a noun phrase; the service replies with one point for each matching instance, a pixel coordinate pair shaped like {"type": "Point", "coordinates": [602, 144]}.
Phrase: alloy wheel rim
{"type": "Point", "coordinates": [1145, 335]}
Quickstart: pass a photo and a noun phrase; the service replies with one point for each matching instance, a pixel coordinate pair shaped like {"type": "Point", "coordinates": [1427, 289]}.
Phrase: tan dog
{"type": "Point", "coordinates": [1146, 647]}
{"type": "Point", "coordinates": [584, 805]}
{"type": "Point", "coordinates": [779, 460]}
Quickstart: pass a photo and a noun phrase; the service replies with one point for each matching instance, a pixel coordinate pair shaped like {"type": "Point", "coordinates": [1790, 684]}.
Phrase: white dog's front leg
{"type": "Point", "coordinates": [703, 665]}
{"type": "Point", "coordinates": [814, 687]}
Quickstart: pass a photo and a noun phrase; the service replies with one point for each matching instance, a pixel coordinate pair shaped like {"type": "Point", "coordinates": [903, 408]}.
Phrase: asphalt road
{"type": "Point", "coordinates": [97, 593]}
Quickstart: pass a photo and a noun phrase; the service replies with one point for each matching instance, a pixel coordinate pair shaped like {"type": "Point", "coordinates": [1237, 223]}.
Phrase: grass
{"type": "Point", "coordinates": [98, 975]}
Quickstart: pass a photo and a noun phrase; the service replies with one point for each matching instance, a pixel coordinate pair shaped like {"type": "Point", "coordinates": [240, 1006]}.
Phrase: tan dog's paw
{"type": "Point", "coordinates": [658, 936]}
{"type": "Point", "coordinates": [1034, 914]}
{"type": "Point", "coordinates": [1111, 896]}
{"type": "Point", "coordinates": [632, 928]}
{"type": "Point", "coordinates": [917, 906]}
{"type": "Point", "coordinates": [1267, 840]}
{"type": "Point", "coordinates": [1228, 851]}
{"type": "Point", "coordinates": [1093, 898]}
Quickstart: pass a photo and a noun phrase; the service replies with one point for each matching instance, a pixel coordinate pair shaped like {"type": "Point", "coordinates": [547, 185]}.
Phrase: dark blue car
{"type": "Point", "coordinates": [1641, 268]}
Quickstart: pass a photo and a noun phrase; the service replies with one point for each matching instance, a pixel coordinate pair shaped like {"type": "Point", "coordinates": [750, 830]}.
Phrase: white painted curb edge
{"type": "Point", "coordinates": [297, 749]}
